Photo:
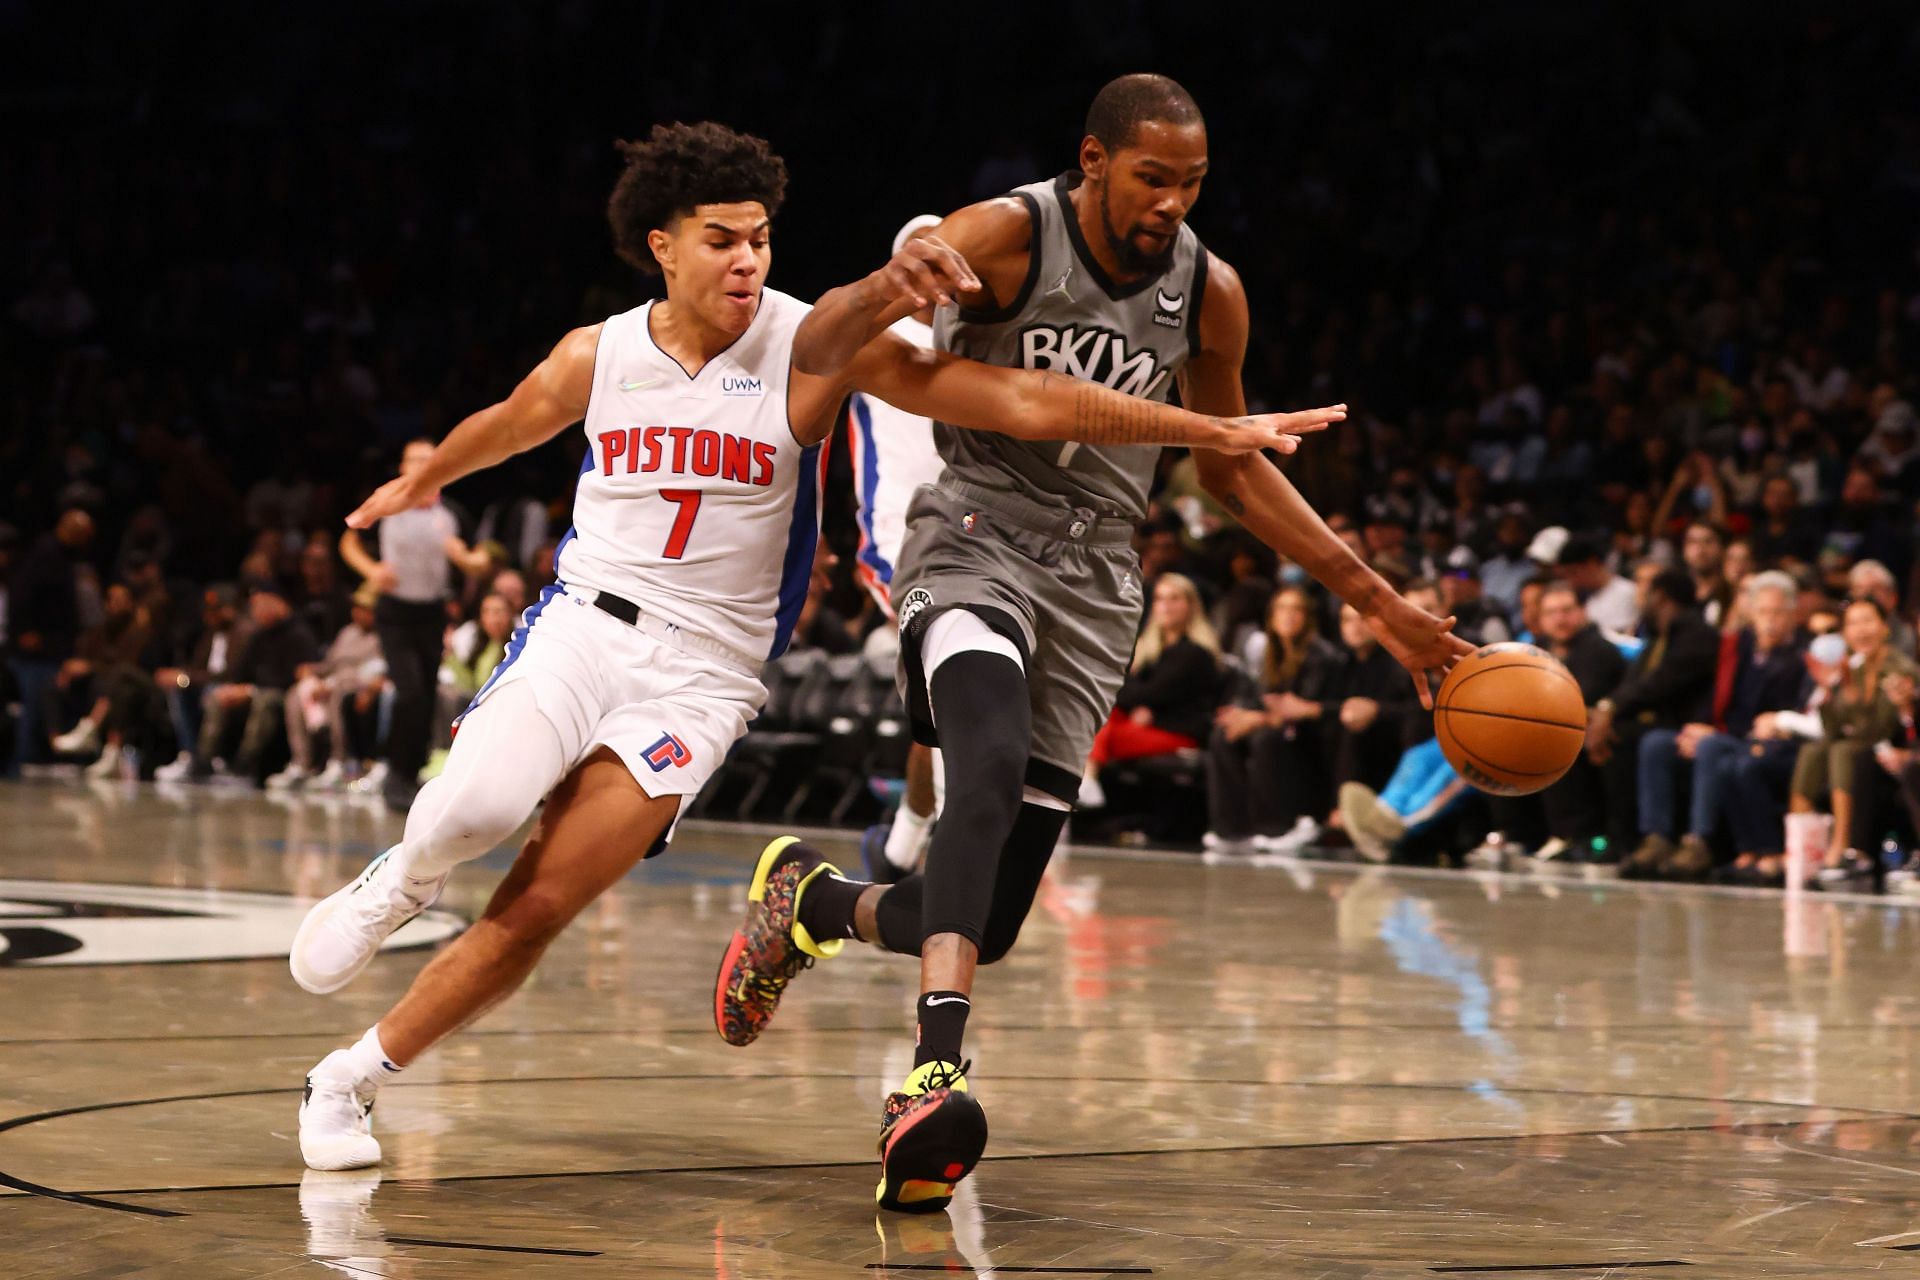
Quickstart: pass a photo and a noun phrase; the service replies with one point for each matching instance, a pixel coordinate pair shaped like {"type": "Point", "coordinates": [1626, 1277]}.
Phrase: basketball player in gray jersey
{"type": "Point", "coordinates": [1018, 592]}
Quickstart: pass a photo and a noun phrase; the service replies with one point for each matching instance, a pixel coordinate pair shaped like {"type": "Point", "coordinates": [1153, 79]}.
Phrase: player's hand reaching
{"type": "Point", "coordinates": [1280, 432]}
{"type": "Point", "coordinates": [928, 270]}
{"type": "Point", "coordinates": [402, 493]}
{"type": "Point", "coordinates": [1423, 644]}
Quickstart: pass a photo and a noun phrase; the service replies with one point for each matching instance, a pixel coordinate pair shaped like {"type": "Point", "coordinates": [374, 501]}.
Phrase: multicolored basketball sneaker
{"type": "Point", "coordinates": [771, 946]}
{"type": "Point", "coordinates": [932, 1133]}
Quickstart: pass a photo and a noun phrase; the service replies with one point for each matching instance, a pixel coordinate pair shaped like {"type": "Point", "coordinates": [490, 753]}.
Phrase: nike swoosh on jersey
{"type": "Point", "coordinates": [643, 382]}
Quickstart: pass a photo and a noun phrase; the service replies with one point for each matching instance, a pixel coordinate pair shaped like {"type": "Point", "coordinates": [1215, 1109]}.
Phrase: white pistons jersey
{"type": "Point", "coordinates": [893, 454]}
{"type": "Point", "coordinates": [696, 502]}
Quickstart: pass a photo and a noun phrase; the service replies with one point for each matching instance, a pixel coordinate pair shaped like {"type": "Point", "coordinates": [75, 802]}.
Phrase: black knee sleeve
{"type": "Point", "coordinates": [980, 705]}
{"type": "Point", "coordinates": [1023, 862]}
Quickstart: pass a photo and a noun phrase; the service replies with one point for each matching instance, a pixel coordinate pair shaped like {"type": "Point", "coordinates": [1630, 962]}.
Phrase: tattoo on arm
{"type": "Point", "coordinates": [1104, 417]}
{"type": "Point", "coordinates": [1231, 501]}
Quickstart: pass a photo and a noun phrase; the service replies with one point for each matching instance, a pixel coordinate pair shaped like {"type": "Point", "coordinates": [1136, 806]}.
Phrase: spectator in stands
{"type": "Point", "coordinates": [1781, 529]}
{"type": "Point", "coordinates": [1703, 550]}
{"type": "Point", "coordinates": [338, 692]}
{"type": "Point", "coordinates": [1760, 670]}
{"type": "Point", "coordinates": [1608, 598]}
{"type": "Point", "coordinates": [108, 672]}
{"type": "Point", "coordinates": [1460, 597]}
{"type": "Point", "coordinates": [223, 633]}
{"type": "Point", "coordinates": [1854, 716]}
{"type": "Point", "coordinates": [1503, 572]}
{"type": "Point", "coordinates": [1366, 731]}
{"type": "Point", "coordinates": [511, 586]}
{"type": "Point", "coordinates": [255, 690]}
{"type": "Point", "coordinates": [1871, 580]}
{"type": "Point", "coordinates": [473, 651]}
{"type": "Point", "coordinates": [1572, 810]}
{"type": "Point", "coordinates": [44, 619]}
{"type": "Point", "coordinates": [324, 606]}
{"type": "Point", "coordinates": [1669, 684]}
{"type": "Point", "coordinates": [1267, 779]}
{"type": "Point", "coordinates": [1166, 703]}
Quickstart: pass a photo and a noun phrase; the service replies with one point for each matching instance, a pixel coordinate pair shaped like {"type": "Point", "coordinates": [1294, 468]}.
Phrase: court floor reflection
{"type": "Point", "coordinates": [1306, 1070]}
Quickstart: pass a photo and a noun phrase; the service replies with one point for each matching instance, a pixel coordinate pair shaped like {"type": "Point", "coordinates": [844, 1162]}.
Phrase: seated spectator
{"type": "Point", "coordinates": [1572, 811]}
{"type": "Point", "coordinates": [339, 693]}
{"type": "Point", "coordinates": [1703, 552]}
{"type": "Point", "coordinates": [1266, 761]}
{"type": "Point", "coordinates": [255, 691]}
{"type": "Point", "coordinates": [1423, 787]}
{"type": "Point", "coordinates": [1760, 670]}
{"type": "Point", "coordinates": [1871, 580]}
{"type": "Point", "coordinates": [1509, 566]}
{"type": "Point", "coordinates": [1781, 529]}
{"type": "Point", "coordinates": [223, 633]}
{"type": "Point", "coordinates": [1608, 598]}
{"type": "Point", "coordinates": [1475, 620]}
{"type": "Point", "coordinates": [44, 620]}
{"type": "Point", "coordinates": [1854, 716]}
{"type": "Point", "coordinates": [1669, 684]}
{"type": "Point", "coordinates": [1900, 761]}
{"type": "Point", "coordinates": [1368, 727]}
{"type": "Point", "coordinates": [473, 651]}
{"type": "Point", "coordinates": [1167, 701]}
{"type": "Point", "coordinates": [108, 670]}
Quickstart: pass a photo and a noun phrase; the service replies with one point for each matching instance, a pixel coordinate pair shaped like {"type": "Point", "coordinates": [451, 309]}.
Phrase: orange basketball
{"type": "Point", "coordinates": [1510, 718]}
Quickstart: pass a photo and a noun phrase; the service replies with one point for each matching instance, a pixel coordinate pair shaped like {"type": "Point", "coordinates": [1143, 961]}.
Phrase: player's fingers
{"type": "Point", "coordinates": [956, 267]}
{"type": "Point", "coordinates": [901, 281]}
{"type": "Point", "coordinates": [1424, 687]}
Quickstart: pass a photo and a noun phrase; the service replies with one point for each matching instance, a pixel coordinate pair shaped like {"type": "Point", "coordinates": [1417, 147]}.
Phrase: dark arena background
{"type": "Point", "coordinates": [1625, 304]}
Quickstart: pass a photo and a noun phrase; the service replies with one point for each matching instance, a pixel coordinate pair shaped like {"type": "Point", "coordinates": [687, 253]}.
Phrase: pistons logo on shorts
{"type": "Point", "coordinates": [668, 752]}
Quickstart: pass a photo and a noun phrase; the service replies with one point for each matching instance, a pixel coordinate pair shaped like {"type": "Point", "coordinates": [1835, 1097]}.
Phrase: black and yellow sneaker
{"type": "Point", "coordinates": [932, 1134]}
{"type": "Point", "coordinates": [771, 945]}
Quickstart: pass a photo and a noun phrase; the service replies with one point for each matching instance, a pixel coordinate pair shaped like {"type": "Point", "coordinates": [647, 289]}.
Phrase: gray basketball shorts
{"type": "Point", "coordinates": [1063, 584]}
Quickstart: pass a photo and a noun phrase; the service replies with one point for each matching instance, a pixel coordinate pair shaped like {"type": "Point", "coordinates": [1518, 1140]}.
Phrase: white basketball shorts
{"type": "Point", "coordinates": [670, 713]}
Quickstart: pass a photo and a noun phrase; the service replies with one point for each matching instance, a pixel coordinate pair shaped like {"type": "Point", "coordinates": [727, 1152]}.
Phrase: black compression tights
{"type": "Point", "coordinates": [990, 849]}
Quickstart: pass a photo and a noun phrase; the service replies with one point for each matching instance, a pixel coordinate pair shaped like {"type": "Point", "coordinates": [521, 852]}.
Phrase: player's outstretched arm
{"type": "Point", "coordinates": [1265, 501]}
{"type": "Point", "coordinates": [927, 271]}
{"type": "Point", "coordinates": [1037, 405]}
{"type": "Point", "coordinates": [547, 401]}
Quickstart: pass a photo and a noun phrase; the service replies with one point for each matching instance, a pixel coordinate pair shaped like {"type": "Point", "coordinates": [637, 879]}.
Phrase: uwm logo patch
{"type": "Point", "coordinates": [667, 753]}
{"type": "Point", "coordinates": [735, 385]}
{"type": "Point", "coordinates": [1092, 354]}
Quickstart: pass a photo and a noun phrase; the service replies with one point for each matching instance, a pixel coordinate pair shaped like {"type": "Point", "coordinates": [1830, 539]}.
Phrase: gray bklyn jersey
{"type": "Point", "coordinates": [1070, 317]}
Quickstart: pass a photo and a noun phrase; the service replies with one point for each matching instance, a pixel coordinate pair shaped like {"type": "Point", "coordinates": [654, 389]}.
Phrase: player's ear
{"type": "Point", "coordinates": [1093, 158]}
{"type": "Point", "coordinates": [662, 245]}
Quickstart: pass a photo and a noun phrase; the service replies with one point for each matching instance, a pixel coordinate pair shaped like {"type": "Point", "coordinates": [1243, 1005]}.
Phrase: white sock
{"type": "Point", "coordinates": [371, 1065]}
{"type": "Point", "coordinates": [908, 837]}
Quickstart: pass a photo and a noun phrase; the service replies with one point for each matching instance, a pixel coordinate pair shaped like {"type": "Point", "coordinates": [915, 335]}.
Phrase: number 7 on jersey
{"type": "Point", "coordinates": [688, 500]}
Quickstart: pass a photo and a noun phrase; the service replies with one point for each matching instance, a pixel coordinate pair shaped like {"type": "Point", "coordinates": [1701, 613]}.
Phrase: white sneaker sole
{"type": "Point", "coordinates": [330, 1154]}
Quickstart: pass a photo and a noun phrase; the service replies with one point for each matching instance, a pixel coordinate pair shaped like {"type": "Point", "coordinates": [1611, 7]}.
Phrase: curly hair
{"type": "Point", "coordinates": [680, 166]}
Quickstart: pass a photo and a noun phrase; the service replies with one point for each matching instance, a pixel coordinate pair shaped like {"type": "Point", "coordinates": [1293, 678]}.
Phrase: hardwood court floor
{"type": "Point", "coordinates": [1190, 1071]}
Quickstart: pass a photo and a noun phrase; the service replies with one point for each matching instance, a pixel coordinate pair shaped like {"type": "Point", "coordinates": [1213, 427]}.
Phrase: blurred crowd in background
{"type": "Point", "coordinates": [1628, 324]}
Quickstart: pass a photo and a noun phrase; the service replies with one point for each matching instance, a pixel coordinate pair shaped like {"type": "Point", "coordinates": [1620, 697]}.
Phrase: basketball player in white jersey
{"type": "Point", "coordinates": [1019, 591]}
{"type": "Point", "coordinates": [893, 454]}
{"type": "Point", "coordinates": [694, 527]}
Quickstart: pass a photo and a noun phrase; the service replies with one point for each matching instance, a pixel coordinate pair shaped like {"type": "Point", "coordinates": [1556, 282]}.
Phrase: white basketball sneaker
{"type": "Point", "coordinates": [335, 1129]}
{"type": "Point", "coordinates": [344, 931]}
